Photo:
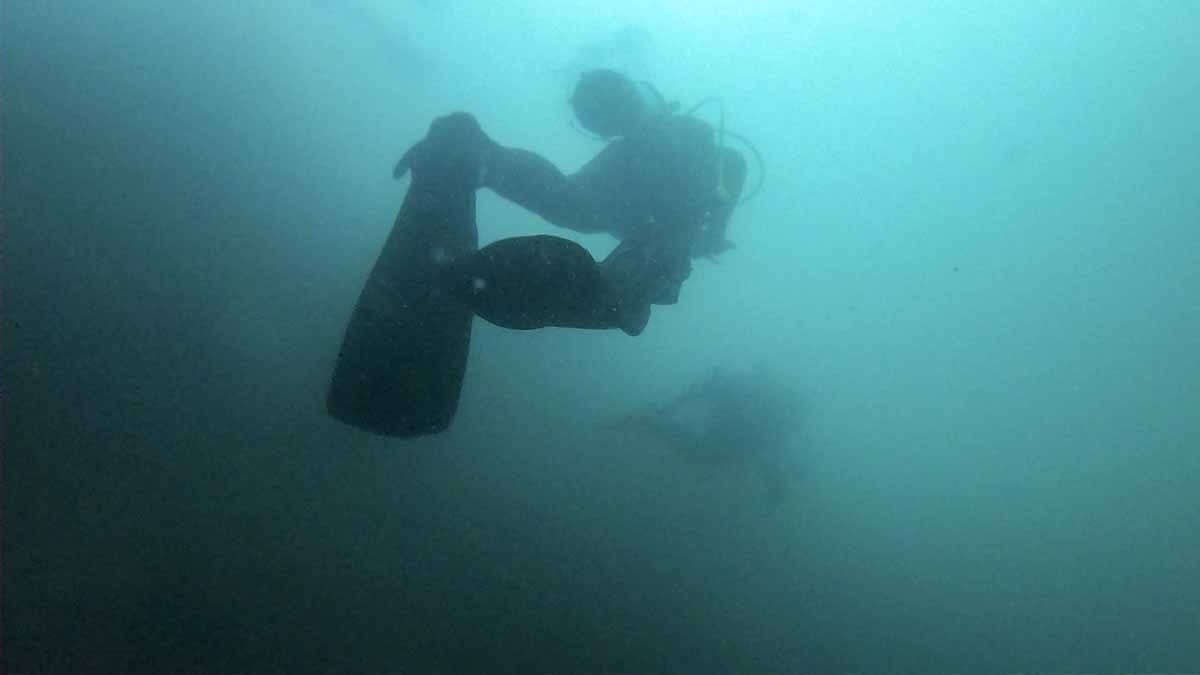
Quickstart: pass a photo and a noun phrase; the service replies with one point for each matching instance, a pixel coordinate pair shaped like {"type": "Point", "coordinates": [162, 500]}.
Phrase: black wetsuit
{"type": "Point", "coordinates": [666, 191]}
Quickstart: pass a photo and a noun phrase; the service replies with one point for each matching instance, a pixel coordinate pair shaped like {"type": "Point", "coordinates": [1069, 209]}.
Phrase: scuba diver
{"type": "Point", "coordinates": [745, 418]}
{"type": "Point", "coordinates": [665, 185]}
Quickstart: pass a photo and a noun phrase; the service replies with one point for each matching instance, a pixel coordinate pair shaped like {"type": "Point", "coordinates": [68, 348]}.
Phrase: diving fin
{"type": "Point", "coordinates": [524, 283]}
{"type": "Point", "coordinates": [400, 368]}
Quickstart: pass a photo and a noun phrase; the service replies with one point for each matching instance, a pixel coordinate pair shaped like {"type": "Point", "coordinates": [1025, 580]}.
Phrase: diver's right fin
{"type": "Point", "coordinates": [523, 283]}
{"type": "Point", "coordinates": [405, 162]}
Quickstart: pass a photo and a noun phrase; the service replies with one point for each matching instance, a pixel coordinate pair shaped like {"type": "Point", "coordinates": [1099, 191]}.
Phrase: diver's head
{"type": "Point", "coordinates": [609, 104]}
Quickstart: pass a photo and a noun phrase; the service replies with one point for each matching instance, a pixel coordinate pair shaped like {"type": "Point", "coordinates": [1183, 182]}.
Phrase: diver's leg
{"type": "Point", "coordinates": [585, 202]}
{"type": "Point", "coordinates": [456, 146]}
{"type": "Point", "coordinates": [534, 183]}
{"type": "Point", "coordinates": [643, 271]}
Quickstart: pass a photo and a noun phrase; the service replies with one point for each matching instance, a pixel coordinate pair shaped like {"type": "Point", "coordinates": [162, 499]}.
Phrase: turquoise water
{"type": "Point", "coordinates": [975, 256]}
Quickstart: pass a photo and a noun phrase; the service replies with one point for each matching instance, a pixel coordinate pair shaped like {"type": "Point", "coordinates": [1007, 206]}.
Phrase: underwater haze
{"type": "Point", "coordinates": [975, 256]}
